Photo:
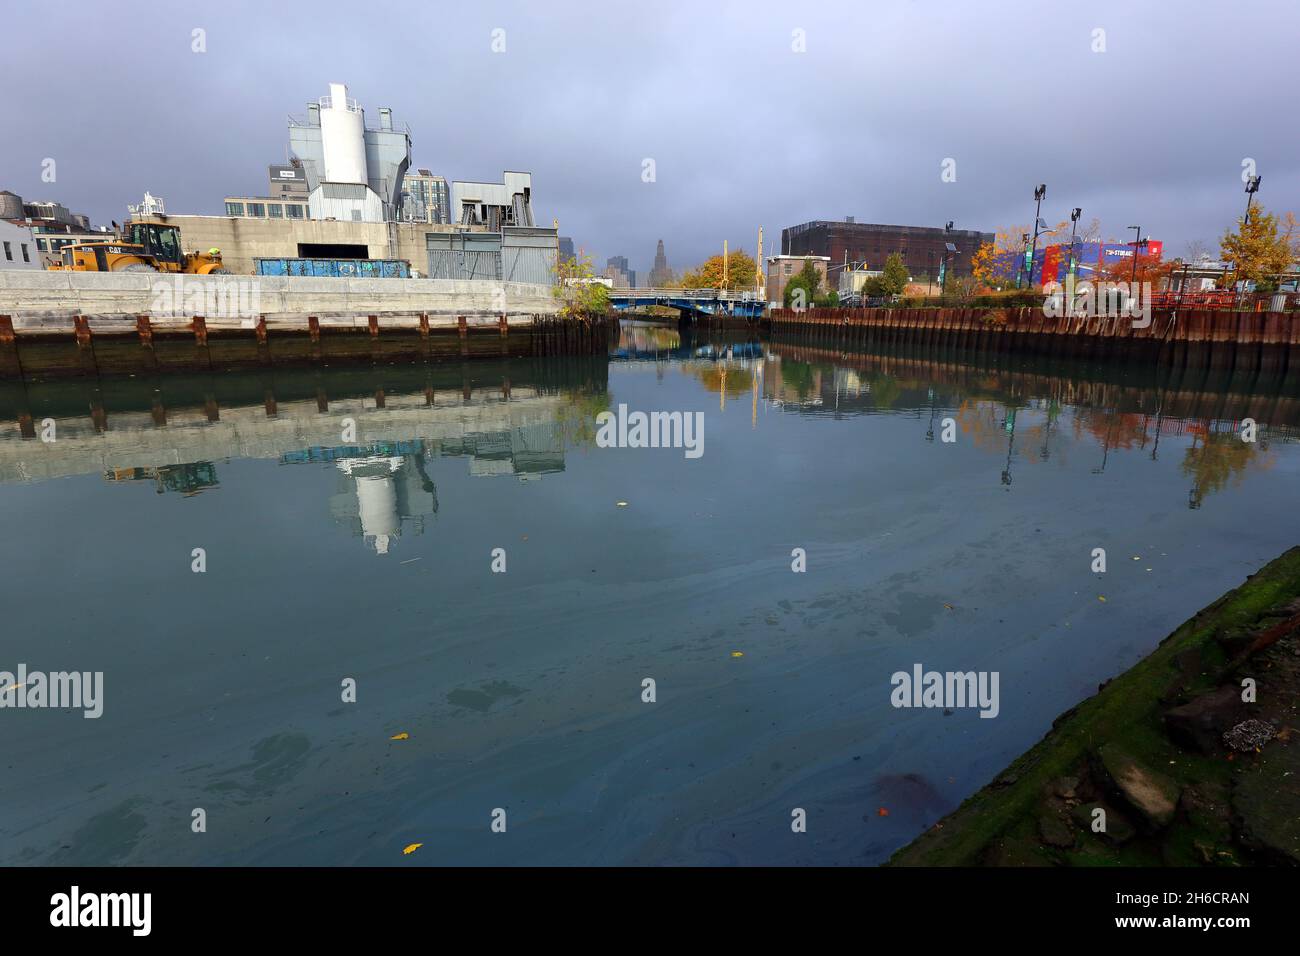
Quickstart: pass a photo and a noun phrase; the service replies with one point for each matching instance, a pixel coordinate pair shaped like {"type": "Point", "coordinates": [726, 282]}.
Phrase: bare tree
{"type": "Point", "coordinates": [1197, 250]}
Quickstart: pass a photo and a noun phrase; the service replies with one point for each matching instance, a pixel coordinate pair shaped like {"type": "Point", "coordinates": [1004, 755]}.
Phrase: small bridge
{"type": "Point", "coordinates": [692, 302]}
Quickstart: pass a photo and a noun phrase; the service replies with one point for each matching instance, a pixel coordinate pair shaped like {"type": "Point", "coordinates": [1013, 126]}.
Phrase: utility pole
{"type": "Point", "coordinates": [724, 265]}
{"type": "Point", "coordinates": [758, 267]}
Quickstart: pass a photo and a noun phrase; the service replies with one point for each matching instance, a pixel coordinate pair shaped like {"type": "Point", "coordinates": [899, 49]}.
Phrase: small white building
{"type": "Point", "coordinates": [18, 247]}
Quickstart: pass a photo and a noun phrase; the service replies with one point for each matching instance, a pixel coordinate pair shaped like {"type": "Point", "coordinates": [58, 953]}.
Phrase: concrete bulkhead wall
{"type": "Point", "coordinates": [241, 240]}
{"type": "Point", "coordinates": [131, 293]}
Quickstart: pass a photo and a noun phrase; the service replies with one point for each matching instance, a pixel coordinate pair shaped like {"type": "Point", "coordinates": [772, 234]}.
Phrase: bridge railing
{"type": "Point", "coordinates": [729, 295]}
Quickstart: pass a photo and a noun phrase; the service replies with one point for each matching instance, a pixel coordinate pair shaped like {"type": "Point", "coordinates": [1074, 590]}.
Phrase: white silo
{"type": "Point", "coordinates": [343, 137]}
{"type": "Point", "coordinates": [376, 492]}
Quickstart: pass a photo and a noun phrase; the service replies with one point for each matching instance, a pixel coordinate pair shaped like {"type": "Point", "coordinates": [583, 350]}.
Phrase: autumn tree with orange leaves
{"type": "Point", "coordinates": [989, 264]}
{"type": "Point", "coordinates": [1148, 268]}
{"type": "Point", "coordinates": [1260, 249]}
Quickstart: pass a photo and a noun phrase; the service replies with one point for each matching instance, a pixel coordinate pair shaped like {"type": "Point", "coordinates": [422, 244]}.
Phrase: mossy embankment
{"type": "Point", "coordinates": [1189, 758]}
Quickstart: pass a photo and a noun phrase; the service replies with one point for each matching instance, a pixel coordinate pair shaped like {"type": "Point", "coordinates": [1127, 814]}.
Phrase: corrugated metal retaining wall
{"type": "Point", "coordinates": [1203, 337]}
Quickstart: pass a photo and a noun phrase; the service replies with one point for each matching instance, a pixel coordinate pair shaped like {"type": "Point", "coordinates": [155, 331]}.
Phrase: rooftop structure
{"type": "Point", "coordinates": [151, 205]}
{"type": "Point", "coordinates": [42, 215]}
{"type": "Point", "coordinates": [507, 203]}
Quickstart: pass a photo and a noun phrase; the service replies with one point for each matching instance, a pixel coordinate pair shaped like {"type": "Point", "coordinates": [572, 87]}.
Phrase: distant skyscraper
{"type": "Point", "coordinates": [616, 268]}
{"type": "Point", "coordinates": [566, 248]}
{"type": "Point", "coordinates": [660, 275]}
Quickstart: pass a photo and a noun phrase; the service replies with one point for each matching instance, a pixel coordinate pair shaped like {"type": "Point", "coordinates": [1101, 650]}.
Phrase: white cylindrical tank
{"type": "Point", "coordinates": [377, 508]}
{"type": "Point", "coordinates": [343, 137]}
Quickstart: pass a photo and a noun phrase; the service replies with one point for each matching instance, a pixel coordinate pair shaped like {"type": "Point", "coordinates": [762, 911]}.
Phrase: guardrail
{"type": "Point", "coordinates": [1228, 299]}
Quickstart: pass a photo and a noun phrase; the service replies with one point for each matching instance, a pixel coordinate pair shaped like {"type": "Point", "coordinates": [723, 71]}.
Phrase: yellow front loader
{"type": "Point", "coordinates": [144, 247]}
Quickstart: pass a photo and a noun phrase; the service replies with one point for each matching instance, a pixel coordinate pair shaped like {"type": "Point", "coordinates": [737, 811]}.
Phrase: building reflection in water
{"type": "Point", "coordinates": [187, 479]}
{"type": "Point", "coordinates": [508, 419]}
{"type": "Point", "coordinates": [385, 489]}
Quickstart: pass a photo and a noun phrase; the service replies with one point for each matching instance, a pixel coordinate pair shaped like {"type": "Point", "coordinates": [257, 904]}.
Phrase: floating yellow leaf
{"type": "Point", "coordinates": [948, 606]}
{"type": "Point", "coordinates": [402, 736]}
{"type": "Point", "coordinates": [622, 504]}
{"type": "Point", "coordinates": [737, 653]}
{"type": "Point", "coordinates": [1101, 598]}
{"type": "Point", "coordinates": [411, 849]}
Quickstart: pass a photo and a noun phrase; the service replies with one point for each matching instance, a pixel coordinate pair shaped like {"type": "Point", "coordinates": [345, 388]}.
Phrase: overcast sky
{"type": "Point", "coordinates": [743, 129]}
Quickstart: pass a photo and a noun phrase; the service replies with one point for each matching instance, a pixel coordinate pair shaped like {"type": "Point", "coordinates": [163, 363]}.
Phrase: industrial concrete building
{"type": "Point", "coordinates": [514, 254]}
{"type": "Point", "coordinates": [263, 207]}
{"type": "Point", "coordinates": [348, 193]}
{"type": "Point", "coordinates": [286, 198]}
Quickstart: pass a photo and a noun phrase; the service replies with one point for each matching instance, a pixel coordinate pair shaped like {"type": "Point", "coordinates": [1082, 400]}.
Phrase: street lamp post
{"type": "Point", "coordinates": [1020, 268]}
{"type": "Point", "coordinates": [1137, 242]}
{"type": "Point", "coordinates": [1074, 224]}
{"type": "Point", "coordinates": [1039, 194]}
{"type": "Point", "coordinates": [945, 259]}
{"type": "Point", "coordinates": [1252, 187]}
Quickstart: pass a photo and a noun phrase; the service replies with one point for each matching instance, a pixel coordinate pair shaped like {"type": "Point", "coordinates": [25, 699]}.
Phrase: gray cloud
{"type": "Point", "coordinates": [743, 130]}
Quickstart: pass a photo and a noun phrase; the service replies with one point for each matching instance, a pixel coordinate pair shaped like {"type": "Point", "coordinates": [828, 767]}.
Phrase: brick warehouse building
{"type": "Point", "coordinates": [922, 247]}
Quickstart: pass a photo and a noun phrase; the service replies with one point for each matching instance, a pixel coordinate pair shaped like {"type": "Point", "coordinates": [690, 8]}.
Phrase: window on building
{"type": "Point", "coordinates": [293, 211]}
{"type": "Point", "coordinates": [9, 253]}
{"type": "Point", "coordinates": [26, 257]}
{"type": "Point", "coordinates": [257, 210]}
{"type": "Point", "coordinates": [40, 244]}
{"type": "Point", "coordinates": [275, 210]}
{"type": "Point", "coordinates": [234, 209]}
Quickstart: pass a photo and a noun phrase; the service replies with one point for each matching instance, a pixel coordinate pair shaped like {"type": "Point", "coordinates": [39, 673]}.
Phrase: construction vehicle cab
{"type": "Point", "coordinates": [161, 242]}
{"type": "Point", "coordinates": [144, 247]}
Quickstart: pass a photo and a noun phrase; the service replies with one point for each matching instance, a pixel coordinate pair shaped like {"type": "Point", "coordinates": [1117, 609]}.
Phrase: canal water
{"type": "Point", "coordinates": [235, 553]}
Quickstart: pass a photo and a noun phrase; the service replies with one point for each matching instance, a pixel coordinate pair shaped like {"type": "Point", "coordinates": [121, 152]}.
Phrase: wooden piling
{"type": "Point", "coordinates": [11, 365]}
